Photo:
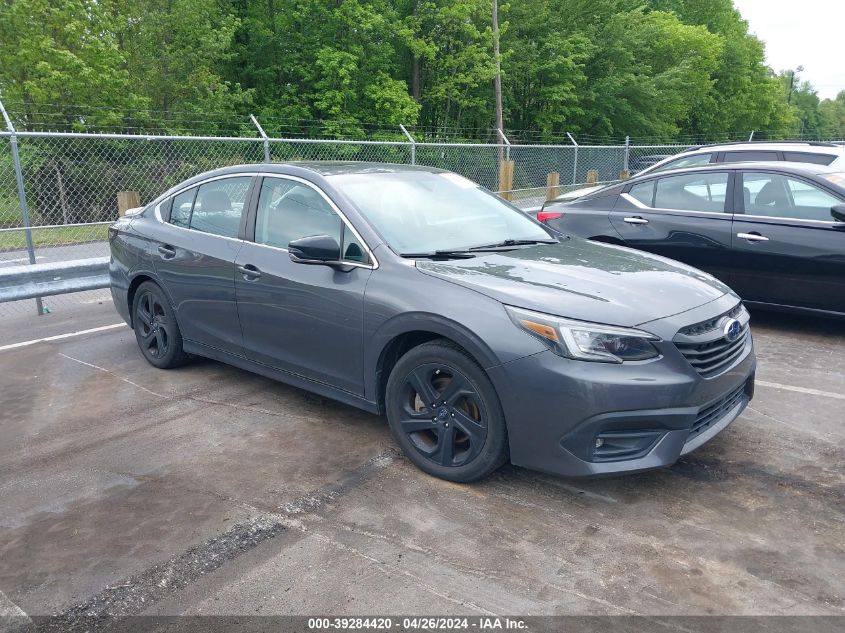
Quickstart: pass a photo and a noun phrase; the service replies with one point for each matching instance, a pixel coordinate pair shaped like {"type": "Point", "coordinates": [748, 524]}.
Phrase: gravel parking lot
{"type": "Point", "coordinates": [207, 490]}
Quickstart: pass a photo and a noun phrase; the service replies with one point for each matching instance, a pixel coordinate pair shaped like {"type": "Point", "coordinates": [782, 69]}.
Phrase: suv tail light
{"type": "Point", "coordinates": [545, 216]}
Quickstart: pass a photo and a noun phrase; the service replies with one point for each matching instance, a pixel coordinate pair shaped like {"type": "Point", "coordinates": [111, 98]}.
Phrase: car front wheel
{"type": "Point", "coordinates": [444, 413]}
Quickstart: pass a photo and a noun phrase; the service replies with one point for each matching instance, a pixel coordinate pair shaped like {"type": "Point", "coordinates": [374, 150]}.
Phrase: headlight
{"type": "Point", "coordinates": [586, 341]}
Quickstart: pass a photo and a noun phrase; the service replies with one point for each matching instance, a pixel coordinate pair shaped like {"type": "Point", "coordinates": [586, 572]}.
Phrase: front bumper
{"type": "Point", "coordinates": [556, 408]}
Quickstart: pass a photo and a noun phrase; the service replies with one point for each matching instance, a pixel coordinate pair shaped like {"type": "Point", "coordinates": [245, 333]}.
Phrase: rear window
{"type": "Point", "coordinates": [692, 192]}
{"type": "Point", "coordinates": [806, 157]}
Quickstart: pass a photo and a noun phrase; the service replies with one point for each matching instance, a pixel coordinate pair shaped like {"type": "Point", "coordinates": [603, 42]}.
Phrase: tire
{"type": "Point", "coordinates": [444, 413]}
{"type": "Point", "coordinates": [156, 329]}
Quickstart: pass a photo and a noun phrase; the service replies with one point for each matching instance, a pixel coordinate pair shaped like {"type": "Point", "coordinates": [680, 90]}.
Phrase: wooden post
{"type": "Point", "coordinates": [552, 182]}
{"type": "Point", "coordinates": [506, 179]}
{"type": "Point", "coordinates": [592, 176]}
{"type": "Point", "coordinates": [624, 174]}
{"type": "Point", "coordinates": [127, 200]}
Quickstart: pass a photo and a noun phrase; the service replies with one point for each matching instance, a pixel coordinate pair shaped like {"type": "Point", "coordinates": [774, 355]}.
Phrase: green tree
{"type": "Point", "coordinates": [832, 115]}
{"type": "Point", "coordinates": [174, 50]}
{"type": "Point", "coordinates": [56, 55]}
{"type": "Point", "coordinates": [648, 75]}
{"type": "Point", "coordinates": [746, 95]}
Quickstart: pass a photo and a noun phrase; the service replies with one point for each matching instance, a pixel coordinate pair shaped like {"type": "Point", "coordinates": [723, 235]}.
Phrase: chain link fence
{"type": "Point", "coordinates": [71, 181]}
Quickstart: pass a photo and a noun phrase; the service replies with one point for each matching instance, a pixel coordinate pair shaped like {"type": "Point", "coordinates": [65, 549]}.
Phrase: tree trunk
{"type": "Point", "coordinates": [416, 91]}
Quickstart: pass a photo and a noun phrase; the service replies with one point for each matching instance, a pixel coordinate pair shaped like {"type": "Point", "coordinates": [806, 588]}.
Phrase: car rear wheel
{"type": "Point", "coordinates": [444, 413]}
{"type": "Point", "coordinates": [156, 329]}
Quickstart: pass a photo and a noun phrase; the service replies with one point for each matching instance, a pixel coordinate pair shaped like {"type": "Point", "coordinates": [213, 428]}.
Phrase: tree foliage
{"type": "Point", "coordinates": [647, 68]}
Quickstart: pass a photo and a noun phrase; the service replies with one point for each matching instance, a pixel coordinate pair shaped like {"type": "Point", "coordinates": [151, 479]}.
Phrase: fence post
{"type": "Point", "coordinates": [413, 144]}
{"type": "Point", "coordinates": [127, 200]}
{"type": "Point", "coordinates": [552, 184]}
{"type": "Point", "coordinates": [625, 168]}
{"type": "Point", "coordinates": [506, 179]}
{"type": "Point", "coordinates": [507, 145]}
{"type": "Point", "coordinates": [16, 159]}
{"type": "Point", "coordinates": [575, 162]}
{"type": "Point", "coordinates": [263, 136]}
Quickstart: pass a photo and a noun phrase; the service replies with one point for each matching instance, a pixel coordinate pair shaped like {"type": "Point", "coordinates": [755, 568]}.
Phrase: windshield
{"type": "Point", "coordinates": [424, 212]}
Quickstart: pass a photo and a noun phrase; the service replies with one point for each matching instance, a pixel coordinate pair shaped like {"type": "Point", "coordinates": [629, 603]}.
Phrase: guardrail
{"type": "Point", "coordinates": [30, 281]}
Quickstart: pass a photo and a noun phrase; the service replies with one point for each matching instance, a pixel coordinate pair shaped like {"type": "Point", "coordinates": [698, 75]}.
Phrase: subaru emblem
{"type": "Point", "coordinates": [733, 329]}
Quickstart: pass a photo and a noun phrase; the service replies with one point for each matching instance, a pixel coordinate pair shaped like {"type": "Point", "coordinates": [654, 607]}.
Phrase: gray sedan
{"type": "Point", "coordinates": [482, 335]}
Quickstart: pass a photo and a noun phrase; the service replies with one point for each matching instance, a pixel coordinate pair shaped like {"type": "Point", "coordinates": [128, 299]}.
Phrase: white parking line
{"type": "Point", "coordinates": [58, 337]}
{"type": "Point", "coordinates": [9, 609]}
{"type": "Point", "coordinates": [812, 392]}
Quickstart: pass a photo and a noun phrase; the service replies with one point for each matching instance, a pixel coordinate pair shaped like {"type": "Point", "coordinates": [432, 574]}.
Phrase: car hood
{"type": "Point", "coordinates": [583, 280]}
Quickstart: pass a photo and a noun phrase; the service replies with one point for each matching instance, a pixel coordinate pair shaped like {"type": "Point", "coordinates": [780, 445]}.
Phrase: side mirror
{"type": "Point", "coordinates": [315, 249]}
{"type": "Point", "coordinates": [838, 212]}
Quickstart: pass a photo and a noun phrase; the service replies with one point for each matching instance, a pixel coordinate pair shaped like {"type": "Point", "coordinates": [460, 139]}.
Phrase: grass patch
{"type": "Point", "coordinates": [16, 240]}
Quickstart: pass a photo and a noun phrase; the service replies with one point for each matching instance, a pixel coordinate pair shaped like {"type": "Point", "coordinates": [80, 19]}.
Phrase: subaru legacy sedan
{"type": "Point", "coordinates": [411, 292]}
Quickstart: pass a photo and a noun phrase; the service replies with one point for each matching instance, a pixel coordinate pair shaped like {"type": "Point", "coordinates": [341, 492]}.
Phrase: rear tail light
{"type": "Point", "coordinates": [545, 216]}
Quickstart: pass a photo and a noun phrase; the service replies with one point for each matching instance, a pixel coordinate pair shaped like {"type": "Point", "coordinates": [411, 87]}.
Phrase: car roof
{"type": "Point", "coordinates": [335, 168]}
{"type": "Point", "coordinates": [300, 168]}
{"type": "Point", "coordinates": [804, 169]}
{"type": "Point", "coordinates": [810, 147]}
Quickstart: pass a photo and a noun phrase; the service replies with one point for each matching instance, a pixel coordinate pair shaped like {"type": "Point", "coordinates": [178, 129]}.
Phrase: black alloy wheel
{"type": "Point", "coordinates": [152, 325]}
{"type": "Point", "coordinates": [444, 413]}
{"type": "Point", "coordinates": [156, 329]}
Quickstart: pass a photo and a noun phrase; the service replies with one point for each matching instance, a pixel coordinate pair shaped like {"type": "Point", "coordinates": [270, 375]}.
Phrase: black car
{"type": "Point", "coordinates": [774, 232]}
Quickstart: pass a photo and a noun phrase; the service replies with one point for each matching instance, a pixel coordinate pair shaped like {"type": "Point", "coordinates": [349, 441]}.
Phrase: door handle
{"type": "Point", "coordinates": [250, 272]}
{"type": "Point", "coordinates": [753, 237]}
{"type": "Point", "coordinates": [167, 251]}
{"type": "Point", "coordinates": [636, 220]}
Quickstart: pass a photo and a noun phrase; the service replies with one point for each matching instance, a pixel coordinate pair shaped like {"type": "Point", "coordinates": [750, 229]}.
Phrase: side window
{"type": "Point", "coordinates": [180, 212]}
{"type": "Point", "coordinates": [750, 157]}
{"type": "Point", "coordinates": [806, 157]}
{"type": "Point", "coordinates": [352, 249]}
{"type": "Point", "coordinates": [779, 196]}
{"type": "Point", "coordinates": [644, 192]}
{"type": "Point", "coordinates": [219, 206]}
{"type": "Point", "coordinates": [687, 161]}
{"type": "Point", "coordinates": [288, 210]}
{"type": "Point", "coordinates": [693, 192]}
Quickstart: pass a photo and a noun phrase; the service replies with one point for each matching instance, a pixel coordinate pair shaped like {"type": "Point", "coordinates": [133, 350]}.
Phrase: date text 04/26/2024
{"type": "Point", "coordinates": [484, 623]}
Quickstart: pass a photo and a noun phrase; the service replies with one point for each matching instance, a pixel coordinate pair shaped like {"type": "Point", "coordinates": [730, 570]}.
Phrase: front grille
{"type": "Point", "coordinates": [713, 357]}
{"type": "Point", "coordinates": [713, 413]}
{"type": "Point", "coordinates": [697, 329]}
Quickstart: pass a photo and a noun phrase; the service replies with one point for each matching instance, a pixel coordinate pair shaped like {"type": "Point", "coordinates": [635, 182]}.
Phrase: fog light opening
{"type": "Point", "coordinates": [628, 444]}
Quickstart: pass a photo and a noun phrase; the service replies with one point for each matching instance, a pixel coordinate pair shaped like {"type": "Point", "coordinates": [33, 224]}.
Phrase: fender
{"type": "Point", "coordinates": [420, 322]}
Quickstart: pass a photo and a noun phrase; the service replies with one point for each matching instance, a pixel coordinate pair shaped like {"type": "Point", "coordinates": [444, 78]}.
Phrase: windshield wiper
{"type": "Point", "coordinates": [443, 254]}
{"type": "Point", "coordinates": [509, 242]}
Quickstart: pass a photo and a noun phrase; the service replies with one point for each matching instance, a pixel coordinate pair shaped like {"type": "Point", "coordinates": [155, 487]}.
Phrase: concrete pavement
{"type": "Point", "coordinates": [207, 490]}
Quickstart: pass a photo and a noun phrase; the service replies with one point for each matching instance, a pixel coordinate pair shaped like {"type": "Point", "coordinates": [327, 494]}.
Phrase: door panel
{"type": "Point", "coordinates": [194, 257]}
{"type": "Point", "coordinates": [787, 249]}
{"type": "Point", "coordinates": [305, 319]}
{"type": "Point", "coordinates": [692, 226]}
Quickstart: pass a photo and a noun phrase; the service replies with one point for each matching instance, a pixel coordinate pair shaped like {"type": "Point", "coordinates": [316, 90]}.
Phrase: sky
{"type": "Point", "coordinates": [804, 33]}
